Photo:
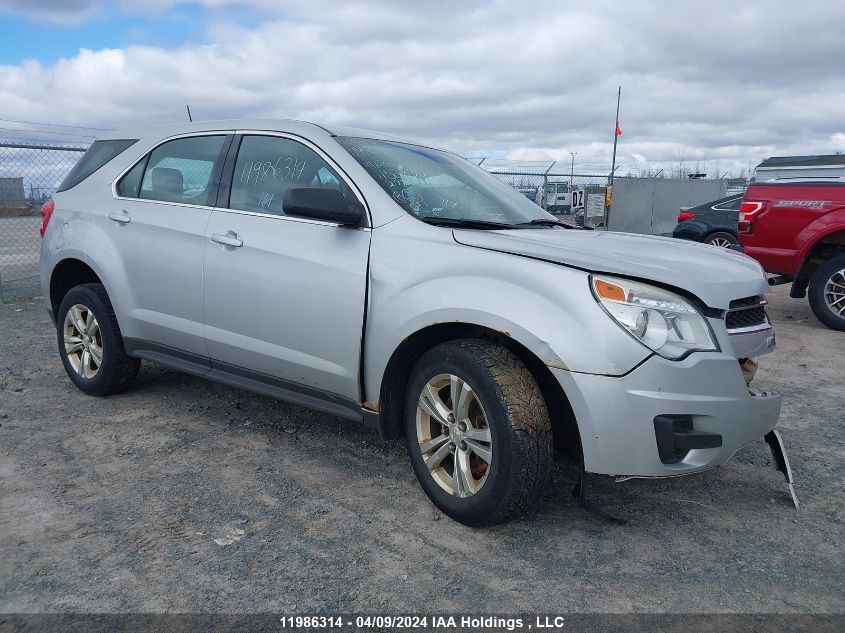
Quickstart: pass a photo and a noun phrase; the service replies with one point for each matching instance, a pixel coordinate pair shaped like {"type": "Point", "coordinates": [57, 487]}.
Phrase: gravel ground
{"type": "Point", "coordinates": [184, 496]}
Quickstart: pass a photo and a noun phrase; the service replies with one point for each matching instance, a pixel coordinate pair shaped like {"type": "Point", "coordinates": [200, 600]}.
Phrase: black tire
{"type": "Point", "coordinates": [117, 371]}
{"type": "Point", "coordinates": [719, 237]}
{"type": "Point", "coordinates": [820, 297]}
{"type": "Point", "coordinates": [517, 420]}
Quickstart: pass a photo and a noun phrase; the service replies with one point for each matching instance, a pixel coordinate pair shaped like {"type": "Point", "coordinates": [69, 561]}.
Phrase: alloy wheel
{"type": "Point", "coordinates": [83, 341]}
{"type": "Point", "coordinates": [453, 435]}
{"type": "Point", "coordinates": [721, 242]}
{"type": "Point", "coordinates": [834, 293]}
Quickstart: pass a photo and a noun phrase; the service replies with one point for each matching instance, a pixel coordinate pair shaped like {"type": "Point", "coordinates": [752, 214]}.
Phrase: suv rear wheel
{"type": "Point", "coordinates": [478, 431]}
{"type": "Point", "coordinates": [90, 342]}
{"type": "Point", "coordinates": [827, 293]}
{"type": "Point", "coordinates": [721, 238]}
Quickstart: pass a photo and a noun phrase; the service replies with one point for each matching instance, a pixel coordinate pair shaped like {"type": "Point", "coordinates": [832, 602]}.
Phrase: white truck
{"type": "Point", "coordinates": [556, 197]}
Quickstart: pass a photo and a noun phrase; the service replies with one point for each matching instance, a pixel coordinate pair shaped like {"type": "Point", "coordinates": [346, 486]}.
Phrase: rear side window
{"type": "Point", "coordinates": [94, 157]}
{"type": "Point", "coordinates": [181, 170]}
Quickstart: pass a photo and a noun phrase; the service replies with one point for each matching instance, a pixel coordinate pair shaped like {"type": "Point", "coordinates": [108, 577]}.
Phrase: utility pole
{"type": "Point", "coordinates": [615, 135]}
{"type": "Point", "coordinates": [608, 196]}
{"type": "Point", "coordinates": [572, 170]}
{"type": "Point", "coordinates": [190, 118]}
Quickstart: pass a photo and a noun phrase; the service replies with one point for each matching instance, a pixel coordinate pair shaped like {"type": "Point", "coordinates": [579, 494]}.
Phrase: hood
{"type": "Point", "coordinates": [713, 274]}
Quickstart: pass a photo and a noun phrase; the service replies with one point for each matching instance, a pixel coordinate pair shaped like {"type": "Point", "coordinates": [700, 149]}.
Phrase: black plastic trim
{"type": "Point", "coordinates": [224, 187]}
{"type": "Point", "coordinates": [284, 390]}
{"type": "Point", "coordinates": [180, 360]}
{"type": "Point", "coordinates": [676, 437]}
{"type": "Point", "coordinates": [222, 158]}
{"type": "Point", "coordinates": [246, 379]}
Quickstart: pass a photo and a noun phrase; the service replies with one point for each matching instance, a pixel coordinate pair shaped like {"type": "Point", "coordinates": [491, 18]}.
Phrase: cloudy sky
{"type": "Point", "coordinates": [723, 84]}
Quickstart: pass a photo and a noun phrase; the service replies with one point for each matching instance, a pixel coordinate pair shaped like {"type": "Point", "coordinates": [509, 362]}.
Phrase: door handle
{"type": "Point", "coordinates": [121, 218]}
{"type": "Point", "coordinates": [229, 239]}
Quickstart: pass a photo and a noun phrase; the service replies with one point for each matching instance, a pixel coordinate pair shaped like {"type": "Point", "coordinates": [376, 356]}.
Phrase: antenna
{"type": "Point", "coordinates": [188, 108]}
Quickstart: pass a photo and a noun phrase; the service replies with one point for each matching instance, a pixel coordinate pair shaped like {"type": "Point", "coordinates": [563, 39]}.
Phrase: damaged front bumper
{"type": "Point", "coordinates": [667, 418]}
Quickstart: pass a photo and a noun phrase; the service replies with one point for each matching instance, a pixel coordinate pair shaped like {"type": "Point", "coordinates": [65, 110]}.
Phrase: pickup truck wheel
{"type": "Point", "coordinates": [827, 293]}
{"type": "Point", "coordinates": [90, 342]}
{"type": "Point", "coordinates": [478, 431]}
{"type": "Point", "coordinates": [721, 238]}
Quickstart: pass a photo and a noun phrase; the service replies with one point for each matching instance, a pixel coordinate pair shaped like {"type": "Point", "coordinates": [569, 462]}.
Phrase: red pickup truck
{"type": "Point", "coordinates": [796, 230]}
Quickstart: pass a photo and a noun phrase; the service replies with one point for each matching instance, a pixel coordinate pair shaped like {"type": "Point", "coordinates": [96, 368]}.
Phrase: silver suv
{"type": "Point", "coordinates": [387, 282]}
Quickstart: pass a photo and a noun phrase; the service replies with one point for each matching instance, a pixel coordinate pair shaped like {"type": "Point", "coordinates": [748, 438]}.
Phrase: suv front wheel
{"type": "Point", "coordinates": [827, 293]}
{"type": "Point", "coordinates": [90, 342]}
{"type": "Point", "coordinates": [477, 431]}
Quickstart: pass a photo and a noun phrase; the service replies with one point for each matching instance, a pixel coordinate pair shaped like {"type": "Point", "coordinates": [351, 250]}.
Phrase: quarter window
{"type": "Point", "coordinates": [181, 170]}
{"type": "Point", "coordinates": [267, 166]}
{"type": "Point", "coordinates": [94, 157]}
{"type": "Point", "coordinates": [729, 205]}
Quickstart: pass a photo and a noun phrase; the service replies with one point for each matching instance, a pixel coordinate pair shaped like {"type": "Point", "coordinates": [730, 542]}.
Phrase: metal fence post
{"type": "Point", "coordinates": [546, 180]}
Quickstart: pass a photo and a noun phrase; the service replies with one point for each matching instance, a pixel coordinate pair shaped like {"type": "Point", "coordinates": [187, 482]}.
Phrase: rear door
{"type": "Point", "coordinates": [158, 223]}
{"type": "Point", "coordinates": [284, 296]}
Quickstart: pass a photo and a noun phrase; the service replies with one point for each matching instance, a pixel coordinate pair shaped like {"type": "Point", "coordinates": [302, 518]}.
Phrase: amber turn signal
{"type": "Point", "coordinates": [607, 290]}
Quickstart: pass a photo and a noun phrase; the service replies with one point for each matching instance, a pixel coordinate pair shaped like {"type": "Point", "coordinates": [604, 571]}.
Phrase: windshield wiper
{"type": "Point", "coordinates": [546, 222]}
{"type": "Point", "coordinates": [465, 223]}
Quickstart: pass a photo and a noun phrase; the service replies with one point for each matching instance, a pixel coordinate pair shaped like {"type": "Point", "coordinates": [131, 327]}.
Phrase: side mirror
{"type": "Point", "coordinates": [322, 203]}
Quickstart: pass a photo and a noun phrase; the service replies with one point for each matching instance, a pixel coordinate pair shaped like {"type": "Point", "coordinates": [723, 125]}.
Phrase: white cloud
{"type": "Point", "coordinates": [533, 81]}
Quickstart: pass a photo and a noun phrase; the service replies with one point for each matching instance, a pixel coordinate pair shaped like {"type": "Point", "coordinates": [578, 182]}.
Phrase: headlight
{"type": "Point", "coordinates": [664, 322]}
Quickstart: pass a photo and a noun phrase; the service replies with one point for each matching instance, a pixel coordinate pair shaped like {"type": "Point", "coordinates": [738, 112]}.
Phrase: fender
{"type": "Point", "coordinates": [102, 256]}
{"type": "Point", "coordinates": [547, 308]}
{"type": "Point", "coordinates": [814, 232]}
{"type": "Point", "coordinates": [802, 274]}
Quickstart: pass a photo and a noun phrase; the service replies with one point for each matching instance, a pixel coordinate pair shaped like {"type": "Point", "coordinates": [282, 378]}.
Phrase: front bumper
{"type": "Point", "coordinates": [616, 415]}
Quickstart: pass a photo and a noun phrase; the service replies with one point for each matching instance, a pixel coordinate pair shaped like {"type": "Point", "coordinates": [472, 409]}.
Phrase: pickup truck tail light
{"type": "Point", "coordinates": [749, 211]}
{"type": "Point", "coordinates": [46, 213]}
{"type": "Point", "coordinates": [685, 215]}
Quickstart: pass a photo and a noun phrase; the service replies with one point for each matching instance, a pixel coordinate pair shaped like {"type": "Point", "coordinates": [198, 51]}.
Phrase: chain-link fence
{"type": "Point", "coordinates": [577, 199]}
{"type": "Point", "coordinates": [29, 174]}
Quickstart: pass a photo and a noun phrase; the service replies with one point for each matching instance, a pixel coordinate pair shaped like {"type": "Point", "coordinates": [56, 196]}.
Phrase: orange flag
{"type": "Point", "coordinates": [618, 129]}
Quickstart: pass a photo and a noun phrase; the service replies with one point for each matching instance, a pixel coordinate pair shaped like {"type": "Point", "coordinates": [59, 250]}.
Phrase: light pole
{"type": "Point", "coordinates": [572, 171]}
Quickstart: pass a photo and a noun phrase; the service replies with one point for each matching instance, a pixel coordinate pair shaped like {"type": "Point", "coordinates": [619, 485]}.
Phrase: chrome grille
{"type": "Point", "coordinates": [747, 313]}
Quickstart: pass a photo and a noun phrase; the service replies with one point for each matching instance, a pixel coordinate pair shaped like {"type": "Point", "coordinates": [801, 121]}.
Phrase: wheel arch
{"type": "Point", "coordinates": [711, 232]}
{"type": "Point", "coordinates": [827, 245]}
{"type": "Point", "coordinates": [398, 370]}
{"type": "Point", "coordinates": [66, 274]}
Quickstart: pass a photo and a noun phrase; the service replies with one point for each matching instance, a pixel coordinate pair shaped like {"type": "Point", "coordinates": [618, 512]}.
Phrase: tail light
{"type": "Point", "coordinates": [748, 212]}
{"type": "Point", "coordinates": [46, 213]}
{"type": "Point", "coordinates": [685, 215]}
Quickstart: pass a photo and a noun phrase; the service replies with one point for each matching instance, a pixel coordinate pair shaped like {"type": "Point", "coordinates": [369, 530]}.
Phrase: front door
{"type": "Point", "coordinates": [284, 296]}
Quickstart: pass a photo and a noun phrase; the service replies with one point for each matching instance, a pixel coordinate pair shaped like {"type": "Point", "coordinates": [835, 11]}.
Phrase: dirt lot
{"type": "Point", "coordinates": [184, 496]}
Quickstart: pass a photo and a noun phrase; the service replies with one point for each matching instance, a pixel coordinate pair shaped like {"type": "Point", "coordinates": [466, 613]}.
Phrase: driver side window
{"type": "Point", "coordinates": [267, 166]}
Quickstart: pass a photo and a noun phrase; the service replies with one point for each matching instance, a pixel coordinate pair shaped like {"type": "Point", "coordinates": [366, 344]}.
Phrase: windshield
{"type": "Point", "coordinates": [435, 185]}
